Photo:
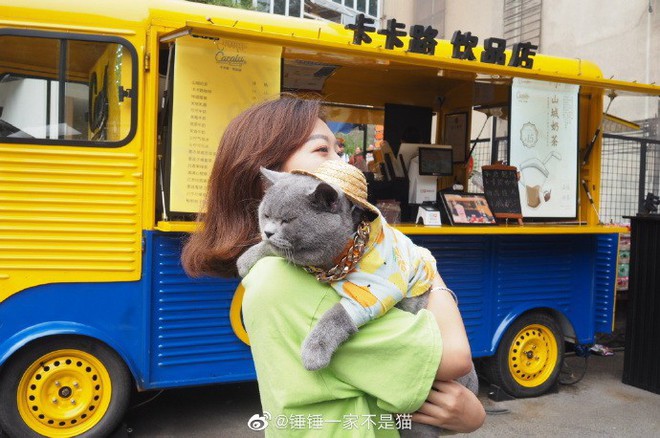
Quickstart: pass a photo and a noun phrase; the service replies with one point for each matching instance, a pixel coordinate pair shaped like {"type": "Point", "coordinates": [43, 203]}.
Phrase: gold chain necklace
{"type": "Point", "coordinates": [348, 262]}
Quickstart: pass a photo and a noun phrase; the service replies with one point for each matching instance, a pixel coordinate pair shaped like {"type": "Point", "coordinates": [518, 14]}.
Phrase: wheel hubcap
{"type": "Point", "coordinates": [64, 393]}
{"type": "Point", "coordinates": [533, 355]}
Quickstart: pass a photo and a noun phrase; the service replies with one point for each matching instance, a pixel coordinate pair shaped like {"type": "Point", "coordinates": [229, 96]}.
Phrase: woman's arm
{"type": "Point", "coordinates": [449, 404]}
{"type": "Point", "coordinates": [456, 356]}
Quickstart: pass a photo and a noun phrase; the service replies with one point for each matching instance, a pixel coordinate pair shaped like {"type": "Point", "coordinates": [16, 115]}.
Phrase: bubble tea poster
{"type": "Point", "coordinates": [544, 148]}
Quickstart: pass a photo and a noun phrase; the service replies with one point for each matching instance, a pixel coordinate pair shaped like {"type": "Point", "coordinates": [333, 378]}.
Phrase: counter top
{"type": "Point", "coordinates": [413, 229]}
{"type": "Point", "coordinates": [511, 229]}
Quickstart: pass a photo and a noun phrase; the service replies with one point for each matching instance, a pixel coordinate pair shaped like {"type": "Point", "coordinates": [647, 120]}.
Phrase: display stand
{"type": "Point", "coordinates": [428, 215]}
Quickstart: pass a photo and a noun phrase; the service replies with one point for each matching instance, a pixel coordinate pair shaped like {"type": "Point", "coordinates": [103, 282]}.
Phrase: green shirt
{"type": "Point", "coordinates": [388, 366]}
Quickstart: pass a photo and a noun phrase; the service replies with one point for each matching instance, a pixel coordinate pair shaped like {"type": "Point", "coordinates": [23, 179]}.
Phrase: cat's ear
{"type": "Point", "coordinates": [325, 197]}
{"type": "Point", "coordinates": [357, 214]}
{"type": "Point", "coordinates": [270, 177]}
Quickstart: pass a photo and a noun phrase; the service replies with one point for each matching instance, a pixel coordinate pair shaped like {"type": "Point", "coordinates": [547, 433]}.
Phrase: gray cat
{"type": "Point", "coordinates": [309, 222]}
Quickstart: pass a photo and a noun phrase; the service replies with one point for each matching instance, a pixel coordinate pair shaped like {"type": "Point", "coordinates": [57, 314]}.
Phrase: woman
{"type": "Point", "coordinates": [357, 160]}
{"type": "Point", "coordinates": [390, 365]}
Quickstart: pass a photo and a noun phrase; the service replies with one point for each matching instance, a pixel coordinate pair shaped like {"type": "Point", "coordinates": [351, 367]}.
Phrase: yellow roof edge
{"type": "Point", "coordinates": [70, 27]}
{"type": "Point", "coordinates": [129, 16]}
{"type": "Point", "coordinates": [290, 39]}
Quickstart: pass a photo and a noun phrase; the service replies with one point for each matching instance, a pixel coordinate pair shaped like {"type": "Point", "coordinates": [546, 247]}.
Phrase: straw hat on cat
{"type": "Point", "coordinates": [347, 177]}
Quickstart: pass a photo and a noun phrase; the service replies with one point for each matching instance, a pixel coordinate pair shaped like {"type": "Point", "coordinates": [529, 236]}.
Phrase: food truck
{"type": "Point", "coordinates": [110, 115]}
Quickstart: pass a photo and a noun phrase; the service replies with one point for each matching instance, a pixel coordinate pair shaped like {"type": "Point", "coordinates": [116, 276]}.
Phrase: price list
{"type": "Point", "coordinates": [213, 82]}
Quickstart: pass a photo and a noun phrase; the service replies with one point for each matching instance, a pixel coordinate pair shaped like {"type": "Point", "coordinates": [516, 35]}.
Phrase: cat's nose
{"type": "Point", "coordinates": [268, 234]}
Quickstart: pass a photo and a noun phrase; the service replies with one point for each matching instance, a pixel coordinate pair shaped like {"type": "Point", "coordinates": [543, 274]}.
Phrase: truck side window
{"type": "Point", "coordinates": [65, 90]}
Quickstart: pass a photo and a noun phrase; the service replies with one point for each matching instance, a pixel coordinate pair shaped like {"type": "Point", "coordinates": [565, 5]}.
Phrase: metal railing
{"type": "Point", "coordinates": [630, 168]}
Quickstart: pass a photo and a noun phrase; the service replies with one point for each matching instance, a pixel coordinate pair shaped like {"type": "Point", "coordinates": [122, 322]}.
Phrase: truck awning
{"type": "Point", "coordinates": [333, 38]}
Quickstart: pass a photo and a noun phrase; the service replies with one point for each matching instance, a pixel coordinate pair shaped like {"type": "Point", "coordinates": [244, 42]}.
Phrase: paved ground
{"type": "Point", "coordinates": [597, 406]}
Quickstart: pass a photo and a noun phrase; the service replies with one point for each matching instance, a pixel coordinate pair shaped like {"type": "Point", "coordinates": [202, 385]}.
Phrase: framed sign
{"type": "Point", "coordinates": [455, 133]}
{"type": "Point", "coordinates": [502, 190]}
{"type": "Point", "coordinates": [544, 147]}
{"type": "Point", "coordinates": [467, 209]}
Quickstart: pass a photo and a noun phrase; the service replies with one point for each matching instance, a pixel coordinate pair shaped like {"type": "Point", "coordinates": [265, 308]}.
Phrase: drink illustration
{"type": "Point", "coordinates": [534, 175]}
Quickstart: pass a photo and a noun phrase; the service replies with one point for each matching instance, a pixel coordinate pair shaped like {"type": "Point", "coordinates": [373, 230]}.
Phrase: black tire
{"type": "Point", "coordinates": [64, 387]}
{"type": "Point", "coordinates": [529, 357]}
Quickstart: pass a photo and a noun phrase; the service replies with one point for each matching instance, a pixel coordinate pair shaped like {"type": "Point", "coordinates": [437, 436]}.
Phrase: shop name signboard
{"type": "Point", "coordinates": [422, 40]}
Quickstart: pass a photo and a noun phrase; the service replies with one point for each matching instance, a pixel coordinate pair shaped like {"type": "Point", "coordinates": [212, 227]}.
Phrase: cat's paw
{"type": "Point", "coordinates": [316, 353]}
{"type": "Point", "coordinates": [245, 263]}
{"type": "Point", "coordinates": [334, 327]}
{"type": "Point", "coordinates": [242, 267]}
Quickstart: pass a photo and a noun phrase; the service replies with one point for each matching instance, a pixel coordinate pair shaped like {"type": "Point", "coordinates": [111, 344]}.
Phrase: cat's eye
{"type": "Point", "coordinates": [266, 216]}
{"type": "Point", "coordinates": [285, 221]}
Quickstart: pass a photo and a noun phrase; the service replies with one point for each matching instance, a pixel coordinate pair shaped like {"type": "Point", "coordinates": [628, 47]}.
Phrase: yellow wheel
{"type": "Point", "coordinates": [533, 355]}
{"type": "Point", "coordinates": [529, 356]}
{"type": "Point", "coordinates": [64, 387]}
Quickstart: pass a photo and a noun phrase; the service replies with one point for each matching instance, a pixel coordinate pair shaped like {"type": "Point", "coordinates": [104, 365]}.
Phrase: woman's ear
{"type": "Point", "coordinates": [270, 177]}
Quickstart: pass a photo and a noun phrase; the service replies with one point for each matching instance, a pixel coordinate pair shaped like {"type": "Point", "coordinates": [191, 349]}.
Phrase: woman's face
{"type": "Point", "coordinates": [319, 147]}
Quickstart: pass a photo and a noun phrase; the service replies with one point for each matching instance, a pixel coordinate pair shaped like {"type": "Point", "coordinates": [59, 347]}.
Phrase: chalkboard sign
{"type": "Point", "coordinates": [501, 190]}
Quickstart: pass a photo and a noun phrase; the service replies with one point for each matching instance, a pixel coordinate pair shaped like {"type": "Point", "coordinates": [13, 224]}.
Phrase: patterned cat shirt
{"type": "Point", "coordinates": [392, 268]}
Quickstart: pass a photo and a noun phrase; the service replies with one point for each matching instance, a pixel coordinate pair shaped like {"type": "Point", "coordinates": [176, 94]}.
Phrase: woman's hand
{"type": "Point", "coordinates": [451, 406]}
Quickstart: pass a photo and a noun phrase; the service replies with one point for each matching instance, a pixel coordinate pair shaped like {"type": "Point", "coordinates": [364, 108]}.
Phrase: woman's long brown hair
{"type": "Point", "coordinates": [264, 135]}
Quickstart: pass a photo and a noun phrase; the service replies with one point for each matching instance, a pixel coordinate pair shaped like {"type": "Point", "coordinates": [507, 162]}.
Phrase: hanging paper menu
{"type": "Point", "coordinates": [214, 80]}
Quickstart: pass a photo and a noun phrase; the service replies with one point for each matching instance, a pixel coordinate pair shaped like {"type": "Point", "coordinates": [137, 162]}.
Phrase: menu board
{"type": "Point", "coordinates": [501, 190]}
{"type": "Point", "coordinates": [543, 139]}
{"type": "Point", "coordinates": [214, 81]}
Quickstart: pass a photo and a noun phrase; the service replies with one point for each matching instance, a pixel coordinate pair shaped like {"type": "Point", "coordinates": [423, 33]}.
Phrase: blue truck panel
{"type": "Point", "coordinates": [115, 313]}
{"type": "Point", "coordinates": [607, 246]}
{"type": "Point", "coordinates": [464, 261]}
{"type": "Point", "coordinates": [191, 338]}
{"type": "Point", "coordinates": [175, 331]}
{"type": "Point", "coordinates": [499, 277]}
{"type": "Point", "coordinates": [171, 330]}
